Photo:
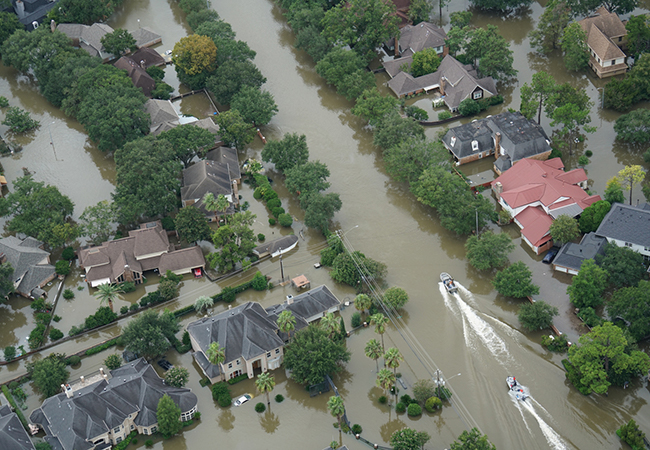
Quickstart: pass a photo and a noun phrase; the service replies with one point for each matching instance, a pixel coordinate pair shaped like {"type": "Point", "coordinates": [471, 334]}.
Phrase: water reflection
{"type": "Point", "coordinates": [226, 420]}
{"type": "Point", "coordinates": [386, 430]}
{"type": "Point", "coordinates": [269, 421]}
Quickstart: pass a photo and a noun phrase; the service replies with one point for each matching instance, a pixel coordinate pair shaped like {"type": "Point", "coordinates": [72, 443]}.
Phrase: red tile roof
{"type": "Point", "coordinates": [535, 225]}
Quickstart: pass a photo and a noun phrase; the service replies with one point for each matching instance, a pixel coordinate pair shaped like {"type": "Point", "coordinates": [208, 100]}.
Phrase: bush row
{"type": "Point", "coordinates": [264, 191]}
{"type": "Point", "coordinates": [122, 445]}
{"type": "Point", "coordinates": [12, 402]}
{"type": "Point", "coordinates": [237, 379]}
{"type": "Point", "coordinates": [102, 347]}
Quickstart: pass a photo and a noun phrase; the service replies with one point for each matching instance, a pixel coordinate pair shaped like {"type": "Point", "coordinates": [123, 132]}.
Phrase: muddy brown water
{"type": "Point", "coordinates": [475, 334]}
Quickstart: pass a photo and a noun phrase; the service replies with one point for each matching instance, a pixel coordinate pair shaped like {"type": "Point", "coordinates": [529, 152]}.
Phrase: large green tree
{"type": "Point", "coordinates": [192, 224]}
{"type": "Point", "coordinates": [336, 408]}
{"type": "Point", "coordinates": [472, 440]}
{"type": "Point", "coordinates": [8, 24]}
{"type": "Point", "coordinates": [372, 106]}
{"type": "Point", "coordinates": [256, 106]}
{"type": "Point", "coordinates": [289, 152]}
{"type": "Point", "coordinates": [537, 315]}
{"type": "Point", "coordinates": [623, 265]}
{"type": "Point", "coordinates": [593, 215]}
{"type": "Point", "coordinates": [489, 251]}
{"type": "Point", "coordinates": [234, 130]}
{"type": "Point", "coordinates": [395, 297]}
{"type": "Point", "coordinates": [632, 304]}
{"type": "Point", "coordinates": [265, 384]}
{"type": "Point", "coordinates": [548, 34]}
{"type": "Point", "coordinates": [534, 96]}
{"type": "Point", "coordinates": [148, 179]}
{"type": "Point", "coordinates": [638, 35]}
{"type": "Point", "coordinates": [149, 333]}
{"type": "Point", "coordinates": [407, 160]}
{"type": "Point", "coordinates": [409, 439]}
{"type": "Point", "coordinates": [346, 70]}
{"type": "Point", "coordinates": [564, 229]}
{"type": "Point", "coordinates": [574, 47]}
{"type": "Point", "coordinates": [36, 210]}
{"type": "Point", "coordinates": [515, 281]}
{"type": "Point", "coordinates": [188, 142]}
{"type": "Point", "coordinates": [312, 354]}
{"type": "Point", "coordinates": [634, 127]}
{"type": "Point", "coordinates": [81, 11]}
{"type": "Point", "coordinates": [393, 129]}
{"type": "Point", "coordinates": [588, 285]}
{"type": "Point", "coordinates": [234, 242]}
{"type": "Point", "coordinates": [118, 42]}
{"type": "Point", "coordinates": [490, 52]}
{"type": "Point", "coordinates": [584, 7]}
{"type": "Point", "coordinates": [49, 373]}
{"type": "Point", "coordinates": [569, 108]}
{"type": "Point", "coordinates": [500, 5]}
{"type": "Point", "coordinates": [307, 178]}
{"type": "Point", "coordinates": [97, 221]}
{"type": "Point", "coordinates": [344, 269]}
{"type": "Point", "coordinates": [168, 415]}
{"type": "Point", "coordinates": [66, 69]}
{"type": "Point", "coordinates": [320, 209]}
{"type": "Point", "coordinates": [229, 78]}
{"type": "Point", "coordinates": [425, 61]}
{"type": "Point", "coordinates": [603, 353]}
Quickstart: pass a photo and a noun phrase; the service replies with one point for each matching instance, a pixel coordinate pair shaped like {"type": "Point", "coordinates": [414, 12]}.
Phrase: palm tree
{"type": "Point", "coordinates": [265, 383]}
{"type": "Point", "coordinates": [286, 322]}
{"type": "Point", "coordinates": [203, 303]}
{"type": "Point", "coordinates": [209, 202]}
{"type": "Point", "coordinates": [216, 355]}
{"type": "Point", "coordinates": [373, 351]}
{"type": "Point", "coordinates": [379, 321]}
{"type": "Point", "coordinates": [108, 293]}
{"type": "Point", "coordinates": [329, 323]}
{"type": "Point", "coordinates": [362, 302]}
{"type": "Point", "coordinates": [222, 203]}
{"type": "Point", "coordinates": [392, 358]}
{"type": "Point", "coordinates": [386, 380]}
{"type": "Point", "coordinates": [336, 408]}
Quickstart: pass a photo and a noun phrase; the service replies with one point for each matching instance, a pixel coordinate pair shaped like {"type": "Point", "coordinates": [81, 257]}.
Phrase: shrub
{"type": "Point", "coordinates": [62, 267]}
{"type": "Point", "coordinates": [432, 404]}
{"type": "Point", "coordinates": [589, 153]}
{"type": "Point", "coordinates": [56, 318]}
{"type": "Point", "coordinates": [558, 344]}
{"type": "Point", "coordinates": [356, 320]}
{"type": "Point", "coordinates": [271, 221]}
{"type": "Point", "coordinates": [589, 316]}
{"type": "Point", "coordinates": [273, 203]}
{"type": "Point", "coordinates": [260, 407]}
{"type": "Point", "coordinates": [186, 338]}
{"type": "Point", "coordinates": [279, 398]}
{"type": "Point", "coordinates": [148, 443]}
{"type": "Point", "coordinates": [555, 153]}
{"type": "Point", "coordinates": [382, 399]}
{"type": "Point", "coordinates": [37, 336]}
{"type": "Point", "coordinates": [406, 399]}
{"type": "Point", "coordinates": [3, 102]}
{"type": "Point", "coordinates": [269, 194]}
{"type": "Point", "coordinates": [55, 334]}
{"type": "Point", "coordinates": [43, 318]}
{"type": "Point", "coordinates": [444, 115]}
{"type": "Point", "coordinates": [68, 253]}
{"type": "Point", "coordinates": [416, 113]}
{"type": "Point", "coordinates": [219, 389]}
{"type": "Point", "coordinates": [583, 160]}
{"type": "Point", "coordinates": [257, 193]}
{"type": "Point", "coordinates": [19, 120]}
{"type": "Point", "coordinates": [102, 347]}
{"type": "Point", "coordinates": [631, 435]}
{"type": "Point", "coordinates": [10, 353]}
{"type": "Point", "coordinates": [237, 379]}
{"type": "Point", "coordinates": [400, 407]}
{"type": "Point", "coordinates": [75, 331]}
{"type": "Point", "coordinates": [469, 107]}
{"type": "Point", "coordinates": [259, 282]}
{"type": "Point", "coordinates": [113, 361]}
{"type": "Point", "coordinates": [261, 237]}
{"type": "Point", "coordinates": [134, 307]}
{"type": "Point", "coordinates": [124, 309]}
{"type": "Point", "coordinates": [228, 294]}
{"type": "Point", "coordinates": [356, 429]}
{"type": "Point", "coordinates": [127, 286]}
{"type": "Point", "coordinates": [73, 360]}
{"type": "Point", "coordinates": [197, 415]}
{"type": "Point", "coordinates": [414, 409]}
{"type": "Point", "coordinates": [168, 223]}
{"type": "Point", "coordinates": [285, 220]}
{"type": "Point", "coordinates": [277, 211]}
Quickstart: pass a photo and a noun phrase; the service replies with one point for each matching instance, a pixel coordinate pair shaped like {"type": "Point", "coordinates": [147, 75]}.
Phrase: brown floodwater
{"type": "Point", "coordinates": [475, 334]}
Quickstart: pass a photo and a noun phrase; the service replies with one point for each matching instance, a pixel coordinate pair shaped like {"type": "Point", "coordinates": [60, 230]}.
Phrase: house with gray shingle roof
{"type": "Point", "coordinates": [88, 38]}
{"type": "Point", "coordinates": [209, 176]}
{"type": "Point", "coordinates": [414, 38]}
{"type": "Point", "coordinates": [163, 115]}
{"type": "Point", "coordinates": [12, 433]}
{"type": "Point", "coordinates": [508, 136]}
{"type": "Point", "coordinates": [628, 226]}
{"type": "Point", "coordinates": [250, 336]}
{"type": "Point", "coordinates": [32, 268]}
{"type": "Point", "coordinates": [276, 247]}
{"type": "Point", "coordinates": [31, 13]}
{"type": "Point", "coordinates": [91, 415]}
{"type": "Point", "coordinates": [145, 37]}
{"type": "Point", "coordinates": [571, 256]}
{"type": "Point", "coordinates": [606, 38]}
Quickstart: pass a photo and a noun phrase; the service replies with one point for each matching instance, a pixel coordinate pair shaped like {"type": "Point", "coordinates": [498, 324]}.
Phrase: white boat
{"type": "Point", "coordinates": [448, 282]}
{"type": "Point", "coordinates": [515, 387]}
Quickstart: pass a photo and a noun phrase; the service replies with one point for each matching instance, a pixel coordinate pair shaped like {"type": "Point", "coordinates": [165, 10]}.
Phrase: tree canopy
{"type": "Point", "coordinates": [312, 354]}
{"type": "Point", "coordinates": [515, 281]}
{"type": "Point", "coordinates": [588, 285]}
{"type": "Point", "coordinates": [490, 251]}
{"type": "Point", "coordinates": [425, 61]}
{"type": "Point", "coordinates": [148, 333]}
{"type": "Point", "coordinates": [623, 265]}
{"type": "Point", "coordinates": [194, 58]}
{"type": "Point", "coordinates": [255, 106]}
{"type": "Point", "coordinates": [535, 95]}
{"type": "Point", "coordinates": [345, 271]}
{"type": "Point", "coordinates": [97, 221]}
{"type": "Point", "coordinates": [490, 52]}
{"type": "Point", "coordinates": [307, 178]}
{"type": "Point", "coordinates": [192, 224]}
{"type": "Point", "coordinates": [393, 129]}
{"type": "Point", "coordinates": [638, 35]}
{"type": "Point", "coordinates": [168, 415]}
{"type": "Point", "coordinates": [472, 440]}
{"type": "Point", "coordinates": [229, 78]}
{"type": "Point", "coordinates": [634, 127]}
{"type": "Point", "coordinates": [564, 229]}
{"type": "Point", "coordinates": [584, 7]}
{"type": "Point", "coordinates": [372, 106]}
{"type": "Point", "coordinates": [8, 24]}
{"type": "Point", "coordinates": [395, 297]}
{"type": "Point", "coordinates": [291, 151]}
{"type": "Point", "coordinates": [320, 209]}
{"type": "Point", "coordinates": [346, 70]}
{"type": "Point", "coordinates": [81, 11]}
{"type": "Point", "coordinates": [632, 304]}
{"type": "Point", "coordinates": [118, 42]}
{"type": "Point", "coordinates": [574, 47]}
{"type": "Point", "coordinates": [49, 373]}
{"type": "Point", "coordinates": [407, 160]}
{"type": "Point", "coordinates": [6, 280]}
{"type": "Point", "coordinates": [409, 439]}
{"type": "Point", "coordinates": [593, 215]}
{"type": "Point", "coordinates": [234, 242]}
{"type": "Point", "coordinates": [628, 176]}
{"type": "Point", "coordinates": [537, 315]}
{"type": "Point", "coordinates": [550, 28]}
{"type": "Point", "coordinates": [234, 130]}
{"type": "Point", "coordinates": [36, 210]}
{"type": "Point", "coordinates": [188, 141]}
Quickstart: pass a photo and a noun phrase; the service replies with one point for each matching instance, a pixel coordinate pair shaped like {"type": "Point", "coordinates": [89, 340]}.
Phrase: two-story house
{"type": "Point", "coordinates": [606, 39]}
{"type": "Point", "coordinates": [628, 226]}
{"type": "Point", "coordinates": [31, 264]}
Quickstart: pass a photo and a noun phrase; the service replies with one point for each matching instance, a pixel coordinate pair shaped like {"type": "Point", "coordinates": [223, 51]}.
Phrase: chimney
{"type": "Point", "coordinates": [235, 192]}
{"type": "Point", "coordinates": [498, 188]}
{"type": "Point", "coordinates": [396, 47]}
{"type": "Point", "coordinates": [442, 85]}
{"type": "Point", "coordinates": [83, 380]}
{"type": "Point", "coordinates": [3, 258]}
{"type": "Point", "coordinates": [68, 390]}
{"type": "Point", "coordinates": [52, 25]}
{"type": "Point", "coordinates": [289, 299]}
{"type": "Point", "coordinates": [497, 145]}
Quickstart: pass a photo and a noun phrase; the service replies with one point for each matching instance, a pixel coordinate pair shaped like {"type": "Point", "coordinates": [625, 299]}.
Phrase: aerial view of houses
{"type": "Point", "coordinates": [327, 225]}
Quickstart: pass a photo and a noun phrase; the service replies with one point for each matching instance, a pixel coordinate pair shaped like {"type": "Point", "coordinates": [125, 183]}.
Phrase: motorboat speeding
{"type": "Point", "coordinates": [515, 387]}
{"type": "Point", "coordinates": [448, 282]}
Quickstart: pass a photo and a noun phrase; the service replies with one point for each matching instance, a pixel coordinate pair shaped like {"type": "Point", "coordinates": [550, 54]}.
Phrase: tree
{"type": "Point", "coordinates": [534, 96]}
{"type": "Point", "coordinates": [345, 69]}
{"type": "Point", "coordinates": [593, 215]}
{"type": "Point", "coordinates": [148, 334]}
{"type": "Point", "coordinates": [313, 42]}
{"type": "Point", "coordinates": [118, 42]}
{"type": "Point", "coordinates": [374, 351]}
{"type": "Point", "coordinates": [192, 224]}
{"type": "Point", "coordinates": [177, 376]}
{"type": "Point", "coordinates": [194, 59]}
{"type": "Point", "coordinates": [564, 229]}
{"type": "Point", "coordinates": [380, 321]}
{"type": "Point", "coordinates": [420, 11]}
{"type": "Point", "coordinates": [291, 151]}
{"type": "Point", "coordinates": [265, 384]}
{"type": "Point", "coordinates": [344, 269]}
{"type": "Point", "coordinates": [336, 408]}
{"type": "Point", "coordinates": [148, 179]}
{"type": "Point", "coordinates": [394, 129]}
{"type": "Point", "coordinates": [407, 160]}
{"type": "Point", "coordinates": [307, 178]}
{"type": "Point", "coordinates": [614, 191]}
{"type": "Point", "coordinates": [490, 52]}
{"type": "Point", "coordinates": [632, 304]}
{"type": "Point", "coordinates": [584, 7]}
{"type": "Point", "coordinates": [629, 176]}
{"type": "Point", "coordinates": [574, 47]}
{"type": "Point", "coordinates": [490, 251]}
{"type": "Point", "coordinates": [6, 280]}
{"type": "Point", "coordinates": [216, 354]}
{"type": "Point", "coordinates": [500, 5]}
{"type": "Point", "coordinates": [457, 39]}
{"type": "Point", "coordinates": [623, 265]}
{"type": "Point", "coordinates": [551, 25]}
{"type": "Point", "coordinates": [231, 76]}
{"type": "Point", "coordinates": [19, 120]}
{"type": "Point", "coordinates": [385, 380]}
{"type": "Point", "coordinates": [633, 127]}
{"type": "Point", "coordinates": [96, 221]}
{"type": "Point", "coordinates": [372, 106]}
{"type": "Point", "coordinates": [235, 240]}
{"type": "Point", "coordinates": [256, 106]}
{"type": "Point", "coordinates": [320, 208]}
{"type": "Point", "coordinates": [460, 19]}
{"type": "Point", "coordinates": [80, 11]}
{"type": "Point", "coordinates": [393, 357]}
{"type": "Point", "coordinates": [234, 130]}
{"type": "Point", "coordinates": [631, 434]}
{"type": "Point", "coordinates": [312, 355]}
{"type": "Point", "coordinates": [329, 324]}
{"type": "Point", "coordinates": [537, 315]}
{"type": "Point", "coordinates": [198, 18]}
{"type": "Point", "coordinates": [113, 361]}
{"type": "Point", "coordinates": [395, 297]}
{"type": "Point", "coordinates": [188, 141]}
{"type": "Point", "coordinates": [107, 293]}
{"type": "Point", "coordinates": [202, 303]}
{"type": "Point", "coordinates": [569, 107]}
{"type": "Point", "coordinates": [64, 74]}
{"type": "Point", "coordinates": [425, 61]}
{"type": "Point", "coordinates": [49, 373]}
{"type": "Point", "coordinates": [409, 439]}
{"type": "Point", "coordinates": [9, 23]}
{"type": "Point", "coordinates": [588, 285]}
{"type": "Point", "coordinates": [638, 35]}
{"type": "Point", "coordinates": [168, 415]}
{"type": "Point", "coordinates": [286, 322]}
{"type": "Point", "coordinates": [362, 24]}
{"type": "Point", "coordinates": [423, 390]}
{"type": "Point", "coordinates": [604, 352]}
{"type": "Point", "coordinates": [36, 210]}
{"type": "Point", "coordinates": [472, 440]}
{"type": "Point", "coordinates": [362, 302]}
{"type": "Point", "coordinates": [515, 281]}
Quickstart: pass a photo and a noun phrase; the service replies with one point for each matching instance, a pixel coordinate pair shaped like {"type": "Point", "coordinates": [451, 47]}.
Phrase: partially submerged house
{"type": "Point", "coordinates": [628, 226]}
{"type": "Point", "coordinates": [415, 38]}
{"type": "Point", "coordinates": [606, 39]}
{"type": "Point", "coordinates": [535, 193]}
{"type": "Point", "coordinates": [146, 248]}
{"type": "Point", "coordinates": [146, 57]}
{"type": "Point", "coordinates": [31, 264]}
{"type": "Point", "coordinates": [276, 247]}
{"type": "Point", "coordinates": [508, 136]}
{"type": "Point", "coordinates": [571, 256]}
{"type": "Point", "coordinates": [163, 115]}
{"type": "Point", "coordinates": [31, 13]}
{"type": "Point", "coordinates": [250, 336]}
{"type": "Point", "coordinates": [145, 37]}
{"type": "Point", "coordinates": [88, 37]}
{"type": "Point", "coordinates": [454, 80]}
{"type": "Point", "coordinates": [139, 76]}
{"type": "Point", "coordinates": [12, 433]}
{"type": "Point", "coordinates": [99, 411]}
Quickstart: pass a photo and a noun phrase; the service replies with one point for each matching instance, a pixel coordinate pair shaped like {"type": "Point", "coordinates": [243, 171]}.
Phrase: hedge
{"type": "Point", "coordinates": [229, 291]}
{"type": "Point", "coordinates": [122, 445]}
{"type": "Point", "coordinates": [101, 347]}
{"type": "Point", "coordinates": [238, 378]}
{"type": "Point", "coordinates": [12, 402]}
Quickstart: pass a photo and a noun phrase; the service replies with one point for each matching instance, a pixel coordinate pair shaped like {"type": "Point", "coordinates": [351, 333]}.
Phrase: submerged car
{"type": "Point", "coordinates": [550, 256]}
{"type": "Point", "coordinates": [166, 365]}
{"type": "Point", "coordinates": [243, 399]}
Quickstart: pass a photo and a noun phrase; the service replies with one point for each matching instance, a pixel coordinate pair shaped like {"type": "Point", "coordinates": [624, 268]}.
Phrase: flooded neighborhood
{"type": "Point", "coordinates": [469, 340]}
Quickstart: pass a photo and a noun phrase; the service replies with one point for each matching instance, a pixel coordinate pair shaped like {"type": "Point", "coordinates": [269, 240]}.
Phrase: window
{"type": "Point", "coordinates": [453, 140]}
{"type": "Point", "coordinates": [478, 94]}
{"type": "Point", "coordinates": [613, 62]}
{"type": "Point", "coordinates": [132, 427]}
{"type": "Point", "coordinates": [116, 430]}
{"type": "Point", "coordinates": [118, 440]}
{"type": "Point", "coordinates": [474, 146]}
{"type": "Point", "coordinates": [154, 429]}
{"type": "Point", "coordinates": [628, 244]}
{"type": "Point", "coordinates": [620, 38]}
{"type": "Point", "coordinates": [238, 362]}
{"type": "Point", "coordinates": [277, 351]}
{"type": "Point", "coordinates": [230, 365]}
{"type": "Point", "coordinates": [268, 355]}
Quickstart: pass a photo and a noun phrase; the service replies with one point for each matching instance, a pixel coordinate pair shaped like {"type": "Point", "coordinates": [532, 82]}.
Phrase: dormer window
{"type": "Point", "coordinates": [475, 146]}
{"type": "Point", "coordinates": [453, 140]}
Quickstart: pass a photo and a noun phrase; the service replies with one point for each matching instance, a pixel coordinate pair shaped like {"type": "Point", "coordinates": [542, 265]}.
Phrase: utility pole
{"type": "Point", "coordinates": [476, 224]}
{"type": "Point", "coordinates": [281, 267]}
{"type": "Point", "coordinates": [438, 381]}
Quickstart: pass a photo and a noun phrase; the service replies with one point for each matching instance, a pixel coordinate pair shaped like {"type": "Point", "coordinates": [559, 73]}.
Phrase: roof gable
{"type": "Point", "coordinates": [626, 223]}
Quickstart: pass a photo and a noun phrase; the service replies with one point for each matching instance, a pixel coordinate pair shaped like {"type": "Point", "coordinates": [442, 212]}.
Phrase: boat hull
{"type": "Point", "coordinates": [448, 282]}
